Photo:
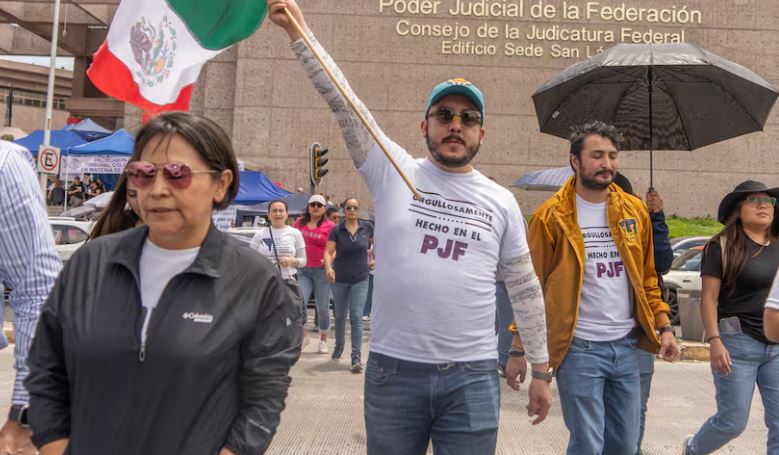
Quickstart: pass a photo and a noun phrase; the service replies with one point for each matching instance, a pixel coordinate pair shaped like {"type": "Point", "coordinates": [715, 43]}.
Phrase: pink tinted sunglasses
{"type": "Point", "coordinates": [176, 174]}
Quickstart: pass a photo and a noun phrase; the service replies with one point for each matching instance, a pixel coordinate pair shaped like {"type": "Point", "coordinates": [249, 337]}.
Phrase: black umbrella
{"type": "Point", "coordinates": [661, 96]}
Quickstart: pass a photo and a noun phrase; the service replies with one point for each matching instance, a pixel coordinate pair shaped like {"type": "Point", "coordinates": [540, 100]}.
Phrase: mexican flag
{"type": "Point", "coordinates": [155, 48]}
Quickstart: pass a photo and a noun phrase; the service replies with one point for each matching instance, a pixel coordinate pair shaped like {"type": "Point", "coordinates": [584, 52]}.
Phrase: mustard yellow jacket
{"type": "Point", "coordinates": [557, 249]}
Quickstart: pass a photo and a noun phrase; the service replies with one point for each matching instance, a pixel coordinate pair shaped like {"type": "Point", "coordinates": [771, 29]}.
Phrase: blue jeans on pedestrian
{"type": "Point", "coordinates": [349, 297]}
{"type": "Point", "coordinates": [504, 316]}
{"type": "Point", "coordinates": [753, 363]}
{"type": "Point", "coordinates": [312, 279]}
{"type": "Point", "coordinates": [409, 403]}
{"type": "Point", "coordinates": [369, 298]}
{"type": "Point", "coordinates": [646, 369]}
{"type": "Point", "coordinates": [599, 390]}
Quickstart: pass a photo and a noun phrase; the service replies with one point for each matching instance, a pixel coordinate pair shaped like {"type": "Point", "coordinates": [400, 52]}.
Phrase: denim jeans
{"type": "Point", "coordinates": [646, 369]}
{"type": "Point", "coordinates": [599, 390]}
{"type": "Point", "coordinates": [351, 297]}
{"type": "Point", "coordinates": [408, 403]}
{"type": "Point", "coordinates": [753, 363]}
{"type": "Point", "coordinates": [312, 279]}
{"type": "Point", "coordinates": [369, 298]}
{"type": "Point", "coordinates": [504, 316]}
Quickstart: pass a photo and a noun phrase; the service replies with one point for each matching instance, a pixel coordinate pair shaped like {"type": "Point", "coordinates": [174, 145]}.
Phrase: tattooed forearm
{"type": "Point", "coordinates": [527, 301]}
{"type": "Point", "coordinates": [357, 138]}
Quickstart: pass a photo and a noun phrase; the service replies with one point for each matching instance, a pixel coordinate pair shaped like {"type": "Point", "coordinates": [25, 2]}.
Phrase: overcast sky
{"type": "Point", "coordinates": [62, 62]}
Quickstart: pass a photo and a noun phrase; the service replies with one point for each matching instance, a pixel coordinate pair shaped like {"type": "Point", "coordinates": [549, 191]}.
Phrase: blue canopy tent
{"type": "Point", "coordinates": [296, 205]}
{"type": "Point", "coordinates": [256, 188]}
{"type": "Point", "coordinates": [61, 139]}
{"type": "Point", "coordinates": [88, 129]}
{"type": "Point", "coordinates": [119, 144]}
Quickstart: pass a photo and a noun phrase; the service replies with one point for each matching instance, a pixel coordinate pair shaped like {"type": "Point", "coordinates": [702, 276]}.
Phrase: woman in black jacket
{"type": "Point", "coordinates": [172, 338]}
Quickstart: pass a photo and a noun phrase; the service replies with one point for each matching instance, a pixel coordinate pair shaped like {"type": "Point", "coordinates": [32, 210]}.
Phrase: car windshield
{"type": "Point", "coordinates": [690, 261]}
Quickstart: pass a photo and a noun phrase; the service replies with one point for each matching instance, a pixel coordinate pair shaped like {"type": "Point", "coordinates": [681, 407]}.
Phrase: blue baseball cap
{"type": "Point", "coordinates": [457, 86]}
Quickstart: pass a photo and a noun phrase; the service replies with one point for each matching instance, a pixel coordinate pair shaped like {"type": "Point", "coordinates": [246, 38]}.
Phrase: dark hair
{"type": "Point", "coordinates": [306, 217]}
{"type": "Point", "coordinates": [580, 133]}
{"type": "Point", "coordinates": [207, 138]}
{"type": "Point", "coordinates": [278, 201]}
{"type": "Point", "coordinates": [115, 217]}
{"type": "Point", "coordinates": [330, 210]}
{"type": "Point", "coordinates": [736, 246]}
{"type": "Point", "coordinates": [343, 204]}
{"type": "Point", "coordinates": [623, 183]}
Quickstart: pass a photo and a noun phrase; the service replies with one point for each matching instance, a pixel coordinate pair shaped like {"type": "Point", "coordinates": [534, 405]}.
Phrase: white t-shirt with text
{"type": "Point", "coordinates": [606, 304]}
{"type": "Point", "coordinates": [434, 287]}
{"type": "Point", "coordinates": [288, 242]}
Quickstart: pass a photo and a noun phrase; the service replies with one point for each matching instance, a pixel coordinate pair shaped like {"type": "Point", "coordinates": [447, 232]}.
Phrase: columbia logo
{"type": "Point", "coordinates": [199, 317]}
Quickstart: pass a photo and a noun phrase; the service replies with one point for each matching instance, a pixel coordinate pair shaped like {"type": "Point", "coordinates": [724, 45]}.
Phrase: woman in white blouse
{"type": "Point", "coordinates": [283, 242]}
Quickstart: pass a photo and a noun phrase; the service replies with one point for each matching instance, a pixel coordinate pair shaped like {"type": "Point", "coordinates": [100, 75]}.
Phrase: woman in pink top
{"type": "Point", "coordinates": [315, 228]}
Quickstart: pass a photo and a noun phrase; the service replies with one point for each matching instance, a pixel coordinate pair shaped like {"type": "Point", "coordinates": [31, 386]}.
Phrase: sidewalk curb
{"type": "Point", "coordinates": [695, 351]}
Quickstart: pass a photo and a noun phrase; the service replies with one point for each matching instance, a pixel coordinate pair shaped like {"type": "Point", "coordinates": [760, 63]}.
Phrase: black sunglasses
{"type": "Point", "coordinates": [468, 117]}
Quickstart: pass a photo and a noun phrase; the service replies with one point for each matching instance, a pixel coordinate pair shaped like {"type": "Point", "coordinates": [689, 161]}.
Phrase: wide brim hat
{"type": "Point", "coordinates": [742, 190]}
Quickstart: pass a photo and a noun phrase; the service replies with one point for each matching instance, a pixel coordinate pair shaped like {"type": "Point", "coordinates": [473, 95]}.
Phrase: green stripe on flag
{"type": "Point", "coordinates": [217, 24]}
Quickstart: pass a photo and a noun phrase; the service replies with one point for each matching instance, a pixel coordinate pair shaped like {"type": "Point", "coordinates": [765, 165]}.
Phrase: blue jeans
{"type": "Point", "coordinates": [351, 297]}
{"type": "Point", "coordinates": [504, 316]}
{"type": "Point", "coordinates": [753, 363]}
{"type": "Point", "coordinates": [312, 279]}
{"type": "Point", "coordinates": [409, 403]}
{"type": "Point", "coordinates": [646, 369]}
{"type": "Point", "coordinates": [369, 299]}
{"type": "Point", "coordinates": [599, 390]}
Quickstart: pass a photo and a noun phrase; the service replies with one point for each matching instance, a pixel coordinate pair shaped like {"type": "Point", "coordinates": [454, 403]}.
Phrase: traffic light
{"type": "Point", "coordinates": [318, 162]}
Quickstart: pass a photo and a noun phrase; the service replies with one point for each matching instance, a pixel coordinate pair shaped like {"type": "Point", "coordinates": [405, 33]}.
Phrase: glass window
{"type": "Point", "coordinates": [76, 235]}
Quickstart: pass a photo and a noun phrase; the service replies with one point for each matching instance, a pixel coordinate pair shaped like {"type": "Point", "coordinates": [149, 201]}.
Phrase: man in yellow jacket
{"type": "Point", "coordinates": [591, 245]}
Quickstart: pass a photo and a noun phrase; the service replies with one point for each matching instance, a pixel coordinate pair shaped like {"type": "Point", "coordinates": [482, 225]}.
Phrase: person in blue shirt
{"type": "Point", "coordinates": [663, 258]}
{"type": "Point", "coordinates": [347, 269]}
{"type": "Point", "coordinates": [29, 264]}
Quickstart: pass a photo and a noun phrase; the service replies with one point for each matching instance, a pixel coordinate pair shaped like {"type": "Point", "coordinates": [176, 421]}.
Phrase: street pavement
{"type": "Point", "coordinates": [324, 411]}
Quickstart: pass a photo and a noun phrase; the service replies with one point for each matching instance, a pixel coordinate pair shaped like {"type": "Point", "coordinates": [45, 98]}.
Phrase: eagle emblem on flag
{"type": "Point", "coordinates": [154, 49]}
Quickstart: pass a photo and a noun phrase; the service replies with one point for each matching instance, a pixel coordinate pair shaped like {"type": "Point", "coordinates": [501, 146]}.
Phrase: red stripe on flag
{"type": "Point", "coordinates": [112, 77]}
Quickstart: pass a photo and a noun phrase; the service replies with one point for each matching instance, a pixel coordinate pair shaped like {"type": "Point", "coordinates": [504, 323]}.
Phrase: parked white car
{"type": "Point", "coordinates": [680, 245]}
{"type": "Point", "coordinates": [244, 233]}
{"type": "Point", "coordinates": [685, 274]}
{"type": "Point", "coordinates": [69, 234]}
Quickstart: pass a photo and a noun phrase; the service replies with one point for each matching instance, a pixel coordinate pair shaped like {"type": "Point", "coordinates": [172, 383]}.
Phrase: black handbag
{"type": "Point", "coordinates": [291, 283]}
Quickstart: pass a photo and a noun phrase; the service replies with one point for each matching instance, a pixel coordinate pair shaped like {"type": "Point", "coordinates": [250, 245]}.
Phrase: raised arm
{"type": "Point", "coordinates": [358, 139]}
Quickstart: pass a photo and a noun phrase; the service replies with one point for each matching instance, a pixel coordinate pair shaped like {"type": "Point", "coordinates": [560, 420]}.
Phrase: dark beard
{"type": "Point", "coordinates": [470, 153]}
{"type": "Point", "coordinates": [593, 184]}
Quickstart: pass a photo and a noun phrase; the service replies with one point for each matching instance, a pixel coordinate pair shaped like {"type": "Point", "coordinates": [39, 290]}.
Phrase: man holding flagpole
{"type": "Point", "coordinates": [431, 372]}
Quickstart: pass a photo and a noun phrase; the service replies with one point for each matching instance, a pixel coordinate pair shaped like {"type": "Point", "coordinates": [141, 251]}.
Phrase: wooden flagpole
{"type": "Point", "coordinates": [353, 105]}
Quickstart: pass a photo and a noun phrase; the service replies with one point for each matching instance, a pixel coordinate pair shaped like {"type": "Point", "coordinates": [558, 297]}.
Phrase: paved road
{"type": "Point", "coordinates": [324, 412]}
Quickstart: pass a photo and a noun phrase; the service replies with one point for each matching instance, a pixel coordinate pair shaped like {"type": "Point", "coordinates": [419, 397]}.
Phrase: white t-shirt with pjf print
{"type": "Point", "coordinates": [606, 303]}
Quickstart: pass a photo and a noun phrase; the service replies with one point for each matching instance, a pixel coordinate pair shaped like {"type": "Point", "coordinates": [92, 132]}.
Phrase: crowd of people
{"type": "Point", "coordinates": [164, 335]}
{"type": "Point", "coordinates": [76, 192]}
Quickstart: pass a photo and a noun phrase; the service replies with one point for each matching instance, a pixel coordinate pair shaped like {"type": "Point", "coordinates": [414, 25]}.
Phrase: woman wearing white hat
{"type": "Point", "coordinates": [315, 228]}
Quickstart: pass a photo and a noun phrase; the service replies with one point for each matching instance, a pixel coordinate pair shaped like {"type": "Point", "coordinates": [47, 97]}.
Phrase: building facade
{"type": "Point", "coordinates": [394, 51]}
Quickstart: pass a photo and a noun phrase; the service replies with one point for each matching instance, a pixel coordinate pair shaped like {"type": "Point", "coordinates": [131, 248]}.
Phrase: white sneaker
{"type": "Point", "coordinates": [322, 347]}
{"type": "Point", "coordinates": [366, 318]}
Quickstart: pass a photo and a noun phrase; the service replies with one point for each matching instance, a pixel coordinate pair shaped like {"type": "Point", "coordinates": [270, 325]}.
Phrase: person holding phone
{"type": "Point", "coordinates": [739, 264]}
